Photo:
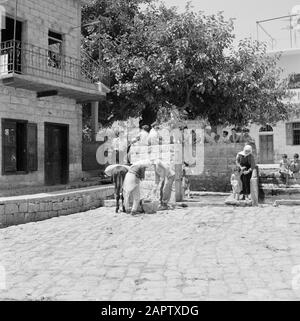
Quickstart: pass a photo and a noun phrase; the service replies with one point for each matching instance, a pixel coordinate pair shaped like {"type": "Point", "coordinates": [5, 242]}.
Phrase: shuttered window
{"type": "Point", "coordinates": [289, 133]}
{"type": "Point", "coordinates": [32, 159]}
{"type": "Point", "coordinates": [296, 133]}
{"type": "Point", "coordinates": [19, 146]}
{"type": "Point", "coordinates": [9, 146]}
{"type": "Point", "coordinates": [293, 133]}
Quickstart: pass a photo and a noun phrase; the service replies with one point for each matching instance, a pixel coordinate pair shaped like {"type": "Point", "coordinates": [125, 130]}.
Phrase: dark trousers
{"type": "Point", "coordinates": [246, 183]}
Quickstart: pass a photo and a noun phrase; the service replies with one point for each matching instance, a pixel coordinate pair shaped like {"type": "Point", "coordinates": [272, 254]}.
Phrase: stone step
{"type": "Point", "coordinates": [280, 190]}
{"type": "Point", "coordinates": [286, 202]}
{"type": "Point", "coordinates": [269, 196]}
{"type": "Point", "coordinates": [202, 199]}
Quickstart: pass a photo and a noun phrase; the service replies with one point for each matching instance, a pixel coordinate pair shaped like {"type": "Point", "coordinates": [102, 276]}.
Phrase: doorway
{"type": "Point", "coordinates": [266, 148]}
{"type": "Point", "coordinates": [56, 154]}
{"type": "Point", "coordinates": [12, 59]}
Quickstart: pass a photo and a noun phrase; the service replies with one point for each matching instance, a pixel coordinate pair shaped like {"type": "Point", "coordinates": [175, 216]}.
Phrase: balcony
{"type": "Point", "coordinates": [48, 73]}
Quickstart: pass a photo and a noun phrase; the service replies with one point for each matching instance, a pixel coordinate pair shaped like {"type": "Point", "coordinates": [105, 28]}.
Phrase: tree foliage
{"type": "Point", "coordinates": [159, 58]}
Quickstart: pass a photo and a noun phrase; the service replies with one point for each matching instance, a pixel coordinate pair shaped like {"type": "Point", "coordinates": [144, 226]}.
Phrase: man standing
{"type": "Point", "coordinates": [153, 137]}
{"type": "Point", "coordinates": [164, 177]}
{"type": "Point", "coordinates": [143, 141]}
{"type": "Point", "coordinates": [225, 138]}
{"type": "Point", "coordinates": [234, 137]}
{"type": "Point", "coordinates": [246, 138]}
{"type": "Point", "coordinates": [119, 147]}
{"type": "Point", "coordinates": [209, 137]}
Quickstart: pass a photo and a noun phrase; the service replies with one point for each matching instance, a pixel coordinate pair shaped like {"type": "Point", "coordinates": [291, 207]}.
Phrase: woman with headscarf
{"type": "Point", "coordinates": [246, 162]}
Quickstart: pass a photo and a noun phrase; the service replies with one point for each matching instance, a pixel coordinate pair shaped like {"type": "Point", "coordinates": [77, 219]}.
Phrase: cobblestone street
{"type": "Point", "coordinates": [205, 253]}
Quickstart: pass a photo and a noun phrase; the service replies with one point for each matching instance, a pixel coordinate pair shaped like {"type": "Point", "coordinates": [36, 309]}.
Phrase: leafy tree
{"type": "Point", "coordinates": [160, 58]}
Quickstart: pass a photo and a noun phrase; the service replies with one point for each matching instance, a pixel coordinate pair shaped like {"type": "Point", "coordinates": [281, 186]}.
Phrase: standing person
{"type": "Point", "coordinates": [131, 186]}
{"type": "Point", "coordinates": [225, 137]}
{"type": "Point", "coordinates": [246, 138]}
{"type": "Point", "coordinates": [164, 177]}
{"type": "Point", "coordinates": [153, 137]}
{"type": "Point", "coordinates": [119, 147]}
{"type": "Point", "coordinates": [115, 147]}
{"type": "Point", "coordinates": [236, 183]}
{"type": "Point", "coordinates": [234, 137]}
{"type": "Point", "coordinates": [144, 134]}
{"type": "Point", "coordinates": [209, 137]}
{"type": "Point", "coordinates": [246, 162]}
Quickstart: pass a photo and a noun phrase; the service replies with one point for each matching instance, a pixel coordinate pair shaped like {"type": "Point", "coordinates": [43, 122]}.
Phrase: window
{"type": "Point", "coordinates": [294, 81]}
{"type": "Point", "coordinates": [19, 146]}
{"type": "Point", "coordinates": [55, 41]}
{"type": "Point", "coordinates": [296, 133]}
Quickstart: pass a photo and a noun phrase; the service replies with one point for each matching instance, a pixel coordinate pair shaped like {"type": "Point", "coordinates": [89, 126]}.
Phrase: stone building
{"type": "Point", "coordinates": [45, 78]}
{"type": "Point", "coordinates": [284, 137]}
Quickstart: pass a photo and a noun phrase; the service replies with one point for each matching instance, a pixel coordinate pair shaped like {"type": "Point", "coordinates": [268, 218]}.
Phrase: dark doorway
{"type": "Point", "coordinates": [7, 34]}
{"type": "Point", "coordinates": [56, 154]}
{"type": "Point", "coordinates": [7, 44]}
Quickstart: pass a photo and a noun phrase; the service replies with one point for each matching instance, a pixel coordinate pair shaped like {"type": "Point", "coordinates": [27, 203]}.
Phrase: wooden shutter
{"type": "Point", "coordinates": [9, 146]}
{"type": "Point", "coordinates": [289, 134]}
{"type": "Point", "coordinates": [32, 148]}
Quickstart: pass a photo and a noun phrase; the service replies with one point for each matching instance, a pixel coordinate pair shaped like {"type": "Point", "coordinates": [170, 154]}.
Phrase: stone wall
{"type": "Point", "coordinates": [219, 160]}
{"type": "Point", "coordinates": [25, 209]}
{"type": "Point", "coordinates": [24, 105]}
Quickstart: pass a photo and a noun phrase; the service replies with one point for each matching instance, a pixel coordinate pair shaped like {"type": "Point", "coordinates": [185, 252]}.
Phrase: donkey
{"type": "Point", "coordinates": [118, 180]}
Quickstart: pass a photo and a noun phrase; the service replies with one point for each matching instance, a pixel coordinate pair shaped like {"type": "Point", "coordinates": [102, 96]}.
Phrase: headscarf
{"type": "Point", "coordinates": [246, 148]}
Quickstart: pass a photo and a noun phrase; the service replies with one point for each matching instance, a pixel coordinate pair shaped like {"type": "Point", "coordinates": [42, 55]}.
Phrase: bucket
{"type": "Point", "coordinates": [150, 207]}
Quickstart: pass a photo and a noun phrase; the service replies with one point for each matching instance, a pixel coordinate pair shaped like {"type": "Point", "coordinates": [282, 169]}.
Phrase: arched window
{"type": "Point", "coordinates": [266, 128]}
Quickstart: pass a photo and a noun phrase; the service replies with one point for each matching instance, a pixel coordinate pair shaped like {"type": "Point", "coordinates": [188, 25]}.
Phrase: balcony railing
{"type": "Point", "coordinates": [26, 59]}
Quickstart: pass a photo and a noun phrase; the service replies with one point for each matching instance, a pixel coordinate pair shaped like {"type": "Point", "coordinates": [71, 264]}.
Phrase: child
{"type": "Point", "coordinates": [295, 165]}
{"type": "Point", "coordinates": [285, 168]}
{"type": "Point", "coordinates": [236, 183]}
{"type": "Point", "coordinates": [185, 182]}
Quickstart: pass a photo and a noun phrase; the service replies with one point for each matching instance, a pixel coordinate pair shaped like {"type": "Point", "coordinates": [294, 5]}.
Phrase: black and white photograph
{"type": "Point", "coordinates": [149, 152]}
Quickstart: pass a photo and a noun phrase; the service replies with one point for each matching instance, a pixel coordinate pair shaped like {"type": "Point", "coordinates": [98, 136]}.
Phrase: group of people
{"type": "Point", "coordinates": [237, 136]}
{"type": "Point", "coordinates": [287, 168]}
{"type": "Point", "coordinates": [164, 179]}
{"type": "Point", "coordinates": [245, 164]}
{"type": "Point", "coordinates": [121, 146]}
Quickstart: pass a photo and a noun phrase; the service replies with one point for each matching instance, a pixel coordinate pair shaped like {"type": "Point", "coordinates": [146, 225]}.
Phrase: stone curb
{"type": "Point", "coordinates": [32, 208]}
{"type": "Point", "coordinates": [286, 203]}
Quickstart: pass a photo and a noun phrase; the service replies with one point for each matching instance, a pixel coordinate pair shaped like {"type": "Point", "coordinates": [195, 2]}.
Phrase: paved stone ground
{"type": "Point", "coordinates": [208, 253]}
